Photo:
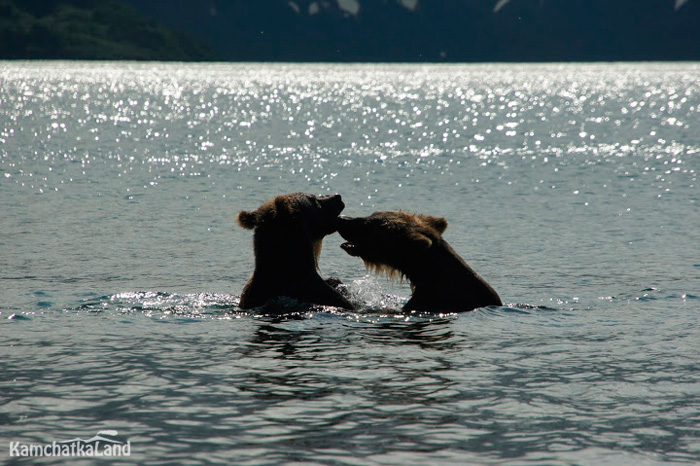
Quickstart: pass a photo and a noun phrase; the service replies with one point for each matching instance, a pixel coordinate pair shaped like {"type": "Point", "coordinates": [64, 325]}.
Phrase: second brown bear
{"type": "Point", "coordinates": [411, 245]}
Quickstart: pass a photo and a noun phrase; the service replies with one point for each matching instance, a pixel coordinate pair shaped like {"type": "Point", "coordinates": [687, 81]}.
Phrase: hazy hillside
{"type": "Point", "coordinates": [88, 29]}
{"type": "Point", "coordinates": [352, 30]}
{"type": "Point", "coordinates": [437, 30]}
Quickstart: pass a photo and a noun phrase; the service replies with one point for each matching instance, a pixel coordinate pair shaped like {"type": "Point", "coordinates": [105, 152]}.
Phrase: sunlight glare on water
{"type": "Point", "coordinates": [572, 188]}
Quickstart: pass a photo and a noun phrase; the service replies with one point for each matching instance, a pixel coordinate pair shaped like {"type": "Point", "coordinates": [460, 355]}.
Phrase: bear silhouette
{"type": "Point", "coordinates": [411, 245]}
{"type": "Point", "coordinates": [288, 233]}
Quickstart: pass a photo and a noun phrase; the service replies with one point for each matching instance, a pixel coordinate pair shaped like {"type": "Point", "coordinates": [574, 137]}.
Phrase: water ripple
{"type": "Point", "coordinates": [571, 188]}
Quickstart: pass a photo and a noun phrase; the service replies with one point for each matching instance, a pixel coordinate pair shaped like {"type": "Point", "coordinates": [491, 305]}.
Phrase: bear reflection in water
{"type": "Point", "coordinates": [411, 245]}
{"type": "Point", "coordinates": [288, 233]}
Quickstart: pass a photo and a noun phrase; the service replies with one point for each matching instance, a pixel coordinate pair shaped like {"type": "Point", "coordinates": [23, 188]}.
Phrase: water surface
{"type": "Point", "coordinates": [571, 188]}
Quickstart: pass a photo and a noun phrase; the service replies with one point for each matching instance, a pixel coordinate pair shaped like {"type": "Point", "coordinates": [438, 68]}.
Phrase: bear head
{"type": "Point", "coordinates": [297, 215]}
{"type": "Point", "coordinates": [390, 241]}
{"type": "Point", "coordinates": [317, 213]}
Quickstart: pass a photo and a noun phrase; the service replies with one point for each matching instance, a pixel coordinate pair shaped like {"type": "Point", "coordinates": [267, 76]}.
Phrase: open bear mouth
{"type": "Point", "coordinates": [351, 249]}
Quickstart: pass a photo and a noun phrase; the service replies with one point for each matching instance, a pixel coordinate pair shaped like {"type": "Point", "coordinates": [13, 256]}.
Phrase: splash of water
{"type": "Point", "coordinates": [368, 292]}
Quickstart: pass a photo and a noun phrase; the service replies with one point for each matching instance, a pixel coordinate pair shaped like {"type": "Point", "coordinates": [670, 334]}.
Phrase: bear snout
{"type": "Point", "coordinates": [344, 224]}
{"type": "Point", "coordinates": [350, 228]}
{"type": "Point", "coordinates": [333, 202]}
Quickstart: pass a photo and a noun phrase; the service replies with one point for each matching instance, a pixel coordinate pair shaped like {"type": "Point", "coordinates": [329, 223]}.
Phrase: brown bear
{"type": "Point", "coordinates": [411, 245]}
{"type": "Point", "coordinates": [287, 240]}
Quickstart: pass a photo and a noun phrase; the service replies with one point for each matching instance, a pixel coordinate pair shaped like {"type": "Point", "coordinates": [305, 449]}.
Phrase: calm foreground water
{"type": "Point", "coordinates": [573, 189]}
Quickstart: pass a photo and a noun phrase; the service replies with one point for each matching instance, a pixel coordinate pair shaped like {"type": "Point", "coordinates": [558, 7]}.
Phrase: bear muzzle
{"type": "Point", "coordinates": [334, 202]}
{"type": "Point", "coordinates": [347, 227]}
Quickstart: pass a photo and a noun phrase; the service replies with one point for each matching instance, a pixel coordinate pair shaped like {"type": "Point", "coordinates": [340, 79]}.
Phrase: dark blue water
{"type": "Point", "coordinates": [571, 188]}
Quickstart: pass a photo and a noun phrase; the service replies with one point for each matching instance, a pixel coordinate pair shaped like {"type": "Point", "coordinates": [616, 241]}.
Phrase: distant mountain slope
{"type": "Point", "coordinates": [88, 29]}
{"type": "Point", "coordinates": [438, 30]}
{"type": "Point", "coordinates": [352, 30]}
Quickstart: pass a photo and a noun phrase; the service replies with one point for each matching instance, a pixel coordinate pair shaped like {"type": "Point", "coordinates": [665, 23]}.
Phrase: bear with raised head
{"type": "Point", "coordinates": [288, 232]}
{"type": "Point", "coordinates": [411, 245]}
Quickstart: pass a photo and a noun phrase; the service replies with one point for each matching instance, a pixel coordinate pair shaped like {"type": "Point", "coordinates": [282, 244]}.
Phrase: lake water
{"type": "Point", "coordinates": [572, 189]}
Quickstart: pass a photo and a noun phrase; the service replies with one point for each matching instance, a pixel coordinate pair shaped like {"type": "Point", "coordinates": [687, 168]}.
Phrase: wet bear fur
{"type": "Point", "coordinates": [411, 245]}
{"type": "Point", "coordinates": [288, 233]}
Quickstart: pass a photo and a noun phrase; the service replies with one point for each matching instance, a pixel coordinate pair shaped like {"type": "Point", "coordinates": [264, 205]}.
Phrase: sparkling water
{"type": "Point", "coordinates": [572, 189]}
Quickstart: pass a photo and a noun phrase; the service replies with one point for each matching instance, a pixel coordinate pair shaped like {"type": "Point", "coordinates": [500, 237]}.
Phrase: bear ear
{"type": "Point", "coordinates": [420, 241]}
{"type": "Point", "coordinates": [439, 223]}
{"type": "Point", "coordinates": [248, 219]}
